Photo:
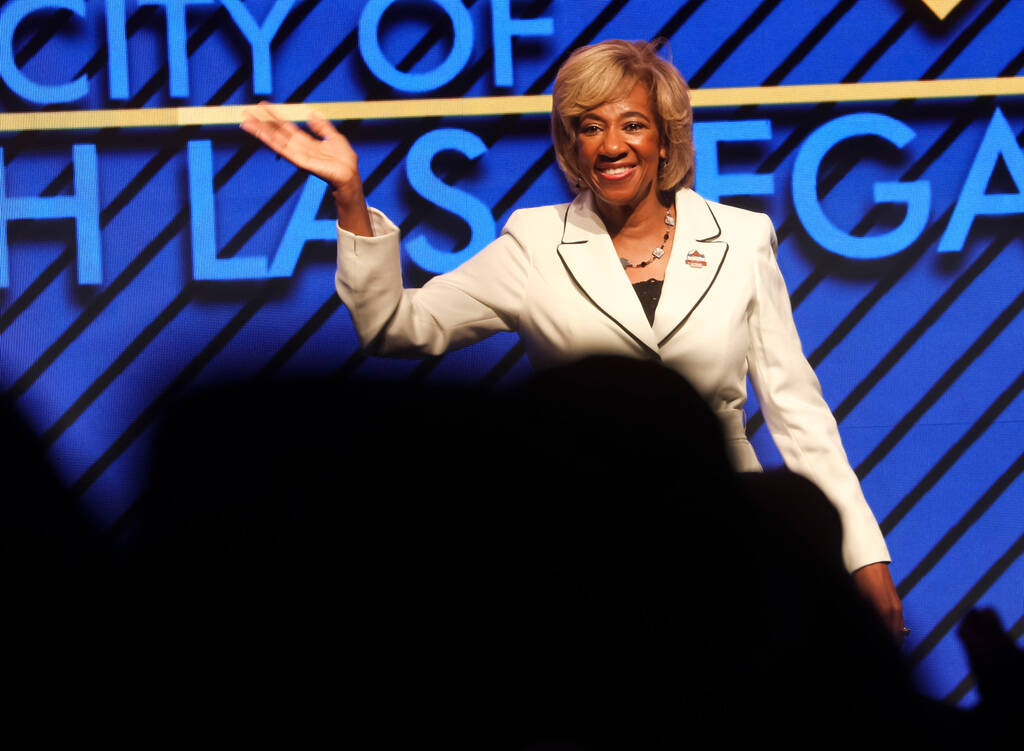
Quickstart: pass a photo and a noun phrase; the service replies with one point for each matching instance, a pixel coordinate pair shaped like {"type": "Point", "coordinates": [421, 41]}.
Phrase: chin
{"type": "Point", "coordinates": [616, 198]}
{"type": "Point", "coordinates": [625, 195]}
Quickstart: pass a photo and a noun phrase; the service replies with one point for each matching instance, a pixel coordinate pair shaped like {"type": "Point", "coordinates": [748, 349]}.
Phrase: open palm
{"type": "Point", "coordinates": [329, 156]}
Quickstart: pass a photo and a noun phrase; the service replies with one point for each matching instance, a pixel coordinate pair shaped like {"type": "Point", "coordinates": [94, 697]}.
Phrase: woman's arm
{"type": "Point", "coordinates": [806, 433]}
{"type": "Point", "coordinates": [329, 156]}
{"type": "Point", "coordinates": [874, 582]}
{"type": "Point", "coordinates": [481, 297]}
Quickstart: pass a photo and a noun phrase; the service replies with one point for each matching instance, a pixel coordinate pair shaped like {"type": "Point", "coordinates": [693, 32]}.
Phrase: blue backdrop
{"type": "Point", "coordinates": [193, 256]}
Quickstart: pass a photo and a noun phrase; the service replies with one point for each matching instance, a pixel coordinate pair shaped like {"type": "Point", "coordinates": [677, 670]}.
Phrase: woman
{"type": "Point", "coordinates": [707, 298]}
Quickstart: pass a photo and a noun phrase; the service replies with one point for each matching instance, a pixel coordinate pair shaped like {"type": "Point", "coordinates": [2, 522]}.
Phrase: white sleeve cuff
{"type": "Point", "coordinates": [383, 231]}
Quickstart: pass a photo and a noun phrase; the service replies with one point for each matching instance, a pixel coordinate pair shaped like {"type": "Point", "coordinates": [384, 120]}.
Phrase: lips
{"type": "Point", "coordinates": [618, 172]}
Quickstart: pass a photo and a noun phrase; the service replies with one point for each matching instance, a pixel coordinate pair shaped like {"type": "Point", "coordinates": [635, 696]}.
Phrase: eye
{"type": "Point", "coordinates": [588, 129]}
{"type": "Point", "coordinates": [634, 126]}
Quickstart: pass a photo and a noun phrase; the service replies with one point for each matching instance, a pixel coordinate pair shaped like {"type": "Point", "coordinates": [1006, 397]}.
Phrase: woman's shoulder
{"type": "Point", "coordinates": [537, 220]}
{"type": "Point", "coordinates": [552, 212]}
{"type": "Point", "coordinates": [737, 225]}
{"type": "Point", "coordinates": [734, 216]}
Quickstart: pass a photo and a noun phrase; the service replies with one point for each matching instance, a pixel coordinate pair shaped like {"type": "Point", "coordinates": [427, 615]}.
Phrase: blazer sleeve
{"type": "Point", "coordinates": [481, 297]}
{"type": "Point", "coordinates": [800, 421]}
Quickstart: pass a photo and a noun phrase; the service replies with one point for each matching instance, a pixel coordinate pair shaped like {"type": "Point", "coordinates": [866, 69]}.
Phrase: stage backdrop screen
{"type": "Point", "coordinates": [149, 248]}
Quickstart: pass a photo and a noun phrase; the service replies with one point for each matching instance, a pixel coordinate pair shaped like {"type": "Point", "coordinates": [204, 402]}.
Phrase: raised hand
{"type": "Point", "coordinates": [329, 156]}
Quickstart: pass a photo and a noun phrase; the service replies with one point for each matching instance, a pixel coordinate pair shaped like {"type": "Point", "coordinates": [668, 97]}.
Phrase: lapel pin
{"type": "Point", "coordinates": [695, 259]}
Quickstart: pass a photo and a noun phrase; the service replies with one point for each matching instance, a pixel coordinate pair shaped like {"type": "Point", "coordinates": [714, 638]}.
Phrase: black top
{"type": "Point", "coordinates": [649, 293]}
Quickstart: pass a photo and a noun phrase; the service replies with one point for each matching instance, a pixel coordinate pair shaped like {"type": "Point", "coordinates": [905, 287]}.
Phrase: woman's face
{"type": "Point", "coordinates": [619, 148]}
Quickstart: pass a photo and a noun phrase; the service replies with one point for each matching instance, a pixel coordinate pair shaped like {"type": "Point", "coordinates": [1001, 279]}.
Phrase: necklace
{"type": "Point", "coordinates": [657, 252]}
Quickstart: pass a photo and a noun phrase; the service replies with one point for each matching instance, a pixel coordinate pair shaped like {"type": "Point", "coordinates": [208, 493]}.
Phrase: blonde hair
{"type": "Point", "coordinates": [604, 72]}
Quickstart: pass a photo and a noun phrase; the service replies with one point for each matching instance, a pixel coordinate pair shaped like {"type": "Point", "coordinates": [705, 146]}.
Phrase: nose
{"type": "Point", "coordinates": [612, 146]}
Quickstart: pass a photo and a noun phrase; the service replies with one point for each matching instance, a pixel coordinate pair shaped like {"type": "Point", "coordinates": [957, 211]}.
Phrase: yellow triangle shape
{"type": "Point", "coordinates": [942, 8]}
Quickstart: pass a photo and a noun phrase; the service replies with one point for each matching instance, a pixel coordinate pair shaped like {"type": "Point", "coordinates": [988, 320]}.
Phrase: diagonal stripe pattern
{"type": "Point", "coordinates": [912, 352]}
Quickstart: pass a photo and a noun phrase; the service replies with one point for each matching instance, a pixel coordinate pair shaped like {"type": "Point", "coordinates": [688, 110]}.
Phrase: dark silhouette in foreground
{"type": "Point", "coordinates": [571, 564]}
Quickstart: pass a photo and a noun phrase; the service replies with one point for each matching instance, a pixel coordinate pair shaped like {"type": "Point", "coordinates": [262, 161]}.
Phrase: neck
{"type": "Point", "coordinates": [639, 218]}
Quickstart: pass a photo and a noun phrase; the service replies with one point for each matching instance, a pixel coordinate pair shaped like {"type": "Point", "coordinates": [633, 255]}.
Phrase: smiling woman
{"type": "Point", "coordinates": [619, 155]}
{"type": "Point", "coordinates": [622, 129]}
{"type": "Point", "coordinates": [707, 300]}
{"type": "Point", "coordinates": [606, 72]}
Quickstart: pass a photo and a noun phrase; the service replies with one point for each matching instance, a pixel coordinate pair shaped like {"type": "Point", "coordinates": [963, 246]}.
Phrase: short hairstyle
{"type": "Point", "coordinates": [604, 72]}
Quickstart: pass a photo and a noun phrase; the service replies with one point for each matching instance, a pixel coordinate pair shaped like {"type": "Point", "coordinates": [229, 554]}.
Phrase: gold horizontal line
{"type": "Point", "coordinates": [871, 91]}
{"type": "Point", "coordinates": [174, 117]}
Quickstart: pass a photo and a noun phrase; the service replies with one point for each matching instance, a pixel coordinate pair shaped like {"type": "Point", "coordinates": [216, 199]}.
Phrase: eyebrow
{"type": "Point", "coordinates": [631, 113]}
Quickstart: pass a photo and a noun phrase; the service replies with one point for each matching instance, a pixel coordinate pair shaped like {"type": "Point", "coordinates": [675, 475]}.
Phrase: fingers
{"type": "Point", "coordinates": [326, 153]}
{"type": "Point", "coordinates": [898, 626]}
{"type": "Point", "coordinates": [260, 122]}
{"type": "Point", "coordinates": [321, 126]}
{"type": "Point", "coordinates": [263, 119]}
{"type": "Point", "coordinates": [896, 623]}
{"type": "Point", "coordinates": [891, 610]}
{"type": "Point", "coordinates": [263, 114]}
{"type": "Point", "coordinates": [258, 116]}
{"type": "Point", "coordinates": [282, 136]}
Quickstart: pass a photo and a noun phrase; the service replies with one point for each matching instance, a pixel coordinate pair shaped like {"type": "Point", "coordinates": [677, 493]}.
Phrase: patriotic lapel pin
{"type": "Point", "coordinates": [695, 259]}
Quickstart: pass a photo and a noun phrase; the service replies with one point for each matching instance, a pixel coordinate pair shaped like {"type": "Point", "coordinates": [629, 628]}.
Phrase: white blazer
{"type": "Point", "coordinates": [554, 276]}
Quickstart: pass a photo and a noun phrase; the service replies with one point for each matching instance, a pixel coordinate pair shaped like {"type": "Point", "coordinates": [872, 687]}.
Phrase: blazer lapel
{"type": "Point", "coordinates": [588, 254]}
{"type": "Point", "coordinates": [697, 257]}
